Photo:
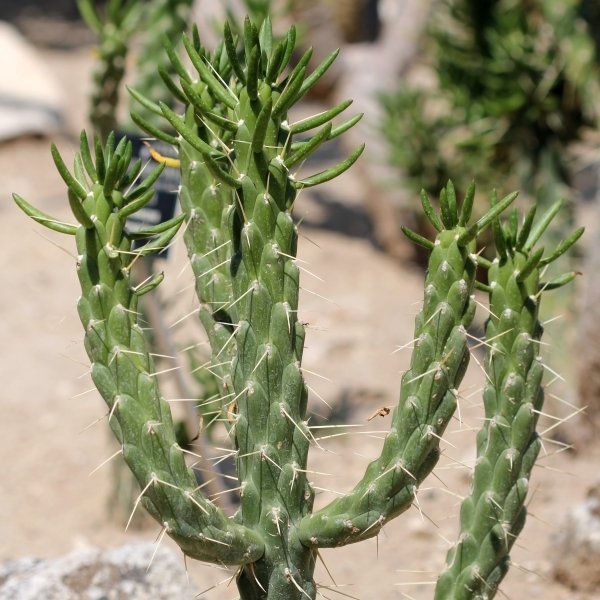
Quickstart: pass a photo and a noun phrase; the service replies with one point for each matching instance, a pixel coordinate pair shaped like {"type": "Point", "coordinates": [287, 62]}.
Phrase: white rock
{"type": "Point", "coordinates": [577, 545]}
{"type": "Point", "coordinates": [31, 101]}
{"type": "Point", "coordinates": [96, 575]}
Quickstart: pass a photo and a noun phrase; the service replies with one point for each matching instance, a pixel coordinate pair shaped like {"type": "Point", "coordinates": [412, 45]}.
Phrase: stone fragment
{"type": "Point", "coordinates": [576, 560]}
{"type": "Point", "coordinates": [93, 574]}
{"type": "Point", "coordinates": [31, 101]}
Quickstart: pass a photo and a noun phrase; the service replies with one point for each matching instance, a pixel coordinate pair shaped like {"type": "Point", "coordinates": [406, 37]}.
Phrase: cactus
{"type": "Point", "coordinates": [507, 445]}
{"type": "Point", "coordinates": [114, 32]}
{"type": "Point", "coordinates": [237, 154]}
{"type": "Point", "coordinates": [162, 19]}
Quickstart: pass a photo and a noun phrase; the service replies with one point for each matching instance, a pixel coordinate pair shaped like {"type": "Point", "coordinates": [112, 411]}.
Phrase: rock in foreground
{"type": "Point", "coordinates": [92, 574]}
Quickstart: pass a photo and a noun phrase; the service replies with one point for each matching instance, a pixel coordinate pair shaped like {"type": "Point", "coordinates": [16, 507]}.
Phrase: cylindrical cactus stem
{"type": "Point", "coordinates": [207, 206]}
{"type": "Point", "coordinates": [429, 388]}
{"type": "Point", "coordinates": [238, 189]}
{"type": "Point", "coordinates": [493, 515]}
{"type": "Point", "coordinates": [205, 202]}
{"type": "Point", "coordinates": [271, 435]}
{"type": "Point", "coordinates": [122, 367]}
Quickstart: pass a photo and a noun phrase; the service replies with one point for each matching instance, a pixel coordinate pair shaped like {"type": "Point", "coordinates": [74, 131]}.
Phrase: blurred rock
{"type": "Point", "coordinates": [31, 101]}
{"type": "Point", "coordinates": [65, 9]}
{"type": "Point", "coordinates": [577, 545]}
{"type": "Point", "coordinates": [91, 574]}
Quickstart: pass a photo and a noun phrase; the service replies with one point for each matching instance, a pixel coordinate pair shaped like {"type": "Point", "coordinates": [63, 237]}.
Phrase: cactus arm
{"type": "Point", "coordinates": [235, 148]}
{"type": "Point", "coordinates": [493, 515]}
{"type": "Point", "coordinates": [271, 435]}
{"type": "Point", "coordinates": [428, 391]}
{"type": "Point", "coordinates": [207, 205]}
{"type": "Point", "coordinates": [123, 370]}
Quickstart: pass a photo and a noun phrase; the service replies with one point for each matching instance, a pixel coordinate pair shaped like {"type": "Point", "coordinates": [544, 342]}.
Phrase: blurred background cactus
{"type": "Point", "coordinates": [512, 89]}
{"type": "Point", "coordinates": [162, 20]}
{"type": "Point", "coordinates": [114, 30]}
{"type": "Point", "coordinates": [511, 86]}
{"type": "Point", "coordinates": [130, 37]}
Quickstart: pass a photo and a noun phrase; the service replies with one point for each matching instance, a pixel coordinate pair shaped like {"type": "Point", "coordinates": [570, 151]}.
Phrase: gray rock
{"type": "Point", "coordinates": [576, 557]}
{"type": "Point", "coordinates": [31, 101]}
{"type": "Point", "coordinates": [91, 574]}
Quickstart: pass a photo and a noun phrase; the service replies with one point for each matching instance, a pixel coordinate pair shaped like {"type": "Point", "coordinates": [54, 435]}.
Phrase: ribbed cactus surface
{"type": "Point", "coordinates": [493, 515]}
{"type": "Point", "coordinates": [122, 367]}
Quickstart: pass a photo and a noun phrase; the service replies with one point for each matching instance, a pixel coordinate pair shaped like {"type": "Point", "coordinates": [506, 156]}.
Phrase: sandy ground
{"type": "Point", "coordinates": [49, 504]}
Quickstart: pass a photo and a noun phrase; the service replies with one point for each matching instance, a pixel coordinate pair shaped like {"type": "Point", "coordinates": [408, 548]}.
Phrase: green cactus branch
{"type": "Point", "coordinates": [493, 515]}
{"type": "Point", "coordinates": [429, 387]}
{"type": "Point", "coordinates": [240, 158]}
{"type": "Point", "coordinates": [122, 367]}
{"type": "Point", "coordinates": [238, 192]}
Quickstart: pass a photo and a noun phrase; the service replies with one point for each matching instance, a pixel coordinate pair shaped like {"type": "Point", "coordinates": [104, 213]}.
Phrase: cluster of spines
{"type": "Point", "coordinates": [493, 515]}
{"type": "Point", "coordinates": [428, 393]}
{"type": "Point", "coordinates": [101, 198]}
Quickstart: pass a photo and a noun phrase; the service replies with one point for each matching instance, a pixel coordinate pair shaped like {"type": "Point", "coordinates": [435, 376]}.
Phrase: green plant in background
{"type": "Point", "coordinates": [516, 83]}
{"type": "Point", "coordinates": [590, 11]}
{"type": "Point", "coordinates": [162, 20]}
{"type": "Point", "coordinates": [123, 25]}
{"type": "Point", "coordinates": [115, 30]}
{"type": "Point", "coordinates": [258, 10]}
{"type": "Point", "coordinates": [239, 159]}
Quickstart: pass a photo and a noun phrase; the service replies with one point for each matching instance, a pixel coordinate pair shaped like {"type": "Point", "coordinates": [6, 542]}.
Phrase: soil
{"type": "Point", "coordinates": [49, 502]}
